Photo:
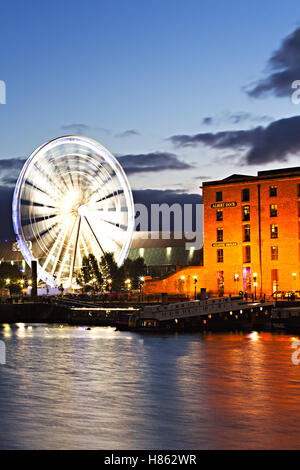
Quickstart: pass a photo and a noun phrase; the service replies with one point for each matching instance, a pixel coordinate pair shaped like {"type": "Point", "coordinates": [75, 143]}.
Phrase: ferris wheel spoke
{"type": "Point", "coordinates": [46, 180]}
{"type": "Point", "coordinates": [115, 194]}
{"type": "Point", "coordinates": [115, 217]}
{"type": "Point", "coordinates": [54, 247]}
{"type": "Point", "coordinates": [31, 192]}
{"type": "Point", "coordinates": [62, 265]}
{"type": "Point", "coordinates": [63, 240]}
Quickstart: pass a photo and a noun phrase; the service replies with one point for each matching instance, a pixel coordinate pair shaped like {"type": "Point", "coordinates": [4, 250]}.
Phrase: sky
{"type": "Point", "coordinates": [180, 92]}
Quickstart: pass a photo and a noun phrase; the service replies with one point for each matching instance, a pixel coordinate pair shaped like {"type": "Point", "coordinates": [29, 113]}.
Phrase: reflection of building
{"type": "Point", "coordinates": [251, 235]}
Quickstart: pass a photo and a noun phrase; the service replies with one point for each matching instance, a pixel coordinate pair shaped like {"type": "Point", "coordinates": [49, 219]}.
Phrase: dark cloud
{"type": "Point", "coordinates": [207, 121]}
{"type": "Point", "coordinates": [9, 170]}
{"type": "Point", "coordinates": [152, 162]}
{"type": "Point", "coordinates": [283, 68]}
{"type": "Point", "coordinates": [275, 142]}
{"type": "Point", "coordinates": [11, 163]}
{"type": "Point", "coordinates": [170, 197]}
{"type": "Point", "coordinates": [128, 133]}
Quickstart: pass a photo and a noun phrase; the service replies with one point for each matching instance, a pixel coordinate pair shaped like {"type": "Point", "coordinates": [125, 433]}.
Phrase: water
{"type": "Point", "coordinates": [71, 388]}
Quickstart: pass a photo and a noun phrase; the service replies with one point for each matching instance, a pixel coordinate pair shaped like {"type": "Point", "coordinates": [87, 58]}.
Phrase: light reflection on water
{"type": "Point", "coordinates": [72, 388]}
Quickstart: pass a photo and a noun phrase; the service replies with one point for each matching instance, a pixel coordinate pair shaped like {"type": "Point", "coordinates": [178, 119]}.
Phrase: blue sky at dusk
{"type": "Point", "coordinates": [180, 91]}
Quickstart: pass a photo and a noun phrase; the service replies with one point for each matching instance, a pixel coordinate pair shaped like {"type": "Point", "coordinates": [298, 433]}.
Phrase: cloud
{"type": "Point", "coordinates": [283, 68]}
{"type": "Point", "coordinates": [234, 118]}
{"type": "Point", "coordinates": [275, 142]}
{"type": "Point", "coordinates": [76, 128]}
{"type": "Point", "coordinates": [152, 162]}
{"type": "Point", "coordinates": [9, 170]}
{"type": "Point", "coordinates": [170, 197]}
{"type": "Point", "coordinates": [128, 133]}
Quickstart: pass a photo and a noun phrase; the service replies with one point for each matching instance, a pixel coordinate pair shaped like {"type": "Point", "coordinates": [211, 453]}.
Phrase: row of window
{"type": "Point", "coordinates": [246, 193]}
{"type": "Point", "coordinates": [246, 232]}
{"type": "Point", "coordinates": [247, 254]}
{"type": "Point", "coordinates": [246, 213]}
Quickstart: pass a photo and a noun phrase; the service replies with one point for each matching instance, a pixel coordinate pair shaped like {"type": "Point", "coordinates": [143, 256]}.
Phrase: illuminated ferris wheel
{"type": "Point", "coordinates": [72, 198]}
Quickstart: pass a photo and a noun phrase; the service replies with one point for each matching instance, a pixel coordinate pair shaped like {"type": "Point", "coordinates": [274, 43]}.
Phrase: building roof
{"type": "Point", "coordinates": [9, 251]}
{"type": "Point", "coordinates": [261, 175]}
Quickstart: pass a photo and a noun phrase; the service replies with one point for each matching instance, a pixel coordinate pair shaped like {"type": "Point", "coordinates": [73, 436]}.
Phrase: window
{"type": "Point", "coordinates": [219, 215]}
{"type": "Point", "coordinates": [298, 190]}
{"type": "Point", "coordinates": [220, 256]}
{"type": "Point", "coordinates": [246, 212]}
{"type": "Point", "coordinates": [247, 254]}
{"type": "Point", "coordinates": [273, 191]}
{"type": "Point", "coordinates": [274, 253]}
{"type": "Point", "coordinates": [273, 210]}
{"type": "Point", "coordinates": [219, 196]}
{"type": "Point", "coordinates": [220, 280]}
{"type": "Point", "coordinates": [245, 195]}
{"type": "Point", "coordinates": [274, 231]}
{"type": "Point", "coordinates": [219, 234]}
{"type": "Point", "coordinates": [246, 234]}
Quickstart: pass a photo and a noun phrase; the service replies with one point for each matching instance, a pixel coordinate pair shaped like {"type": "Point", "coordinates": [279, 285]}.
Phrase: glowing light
{"type": "Point", "coordinates": [182, 278]}
{"type": "Point", "coordinates": [65, 180]}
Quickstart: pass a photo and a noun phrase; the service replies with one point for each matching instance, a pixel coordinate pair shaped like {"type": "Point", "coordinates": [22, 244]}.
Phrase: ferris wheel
{"type": "Point", "coordinates": [72, 198]}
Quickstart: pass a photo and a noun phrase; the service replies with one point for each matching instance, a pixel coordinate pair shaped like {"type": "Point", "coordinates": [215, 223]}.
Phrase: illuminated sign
{"type": "Point", "coordinates": [220, 245]}
{"type": "Point", "coordinates": [219, 205]}
{"type": "Point", "coordinates": [16, 247]}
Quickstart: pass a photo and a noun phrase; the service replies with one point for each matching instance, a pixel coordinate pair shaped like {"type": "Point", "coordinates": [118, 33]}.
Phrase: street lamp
{"type": "Point", "coordinates": [195, 284]}
{"type": "Point", "coordinates": [109, 281]}
{"type": "Point", "coordinates": [128, 285]}
{"type": "Point", "coordinates": [236, 279]}
{"type": "Point", "coordinates": [142, 280]}
{"type": "Point", "coordinates": [255, 284]}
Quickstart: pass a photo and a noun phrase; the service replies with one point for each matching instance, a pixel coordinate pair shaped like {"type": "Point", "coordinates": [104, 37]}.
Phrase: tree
{"type": "Point", "coordinates": [90, 276]}
{"type": "Point", "coordinates": [111, 271]}
{"type": "Point", "coordinates": [10, 277]}
{"type": "Point", "coordinates": [134, 270]}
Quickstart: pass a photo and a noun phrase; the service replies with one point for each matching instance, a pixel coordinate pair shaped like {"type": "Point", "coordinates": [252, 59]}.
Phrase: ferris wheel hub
{"type": "Point", "coordinates": [82, 210]}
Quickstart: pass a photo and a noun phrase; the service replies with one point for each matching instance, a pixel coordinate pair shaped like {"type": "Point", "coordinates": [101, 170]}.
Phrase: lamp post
{"type": "Point", "coordinates": [255, 284]}
{"type": "Point", "coordinates": [128, 285]}
{"type": "Point", "coordinates": [142, 280]}
{"type": "Point", "coordinates": [195, 284]}
{"type": "Point", "coordinates": [236, 279]}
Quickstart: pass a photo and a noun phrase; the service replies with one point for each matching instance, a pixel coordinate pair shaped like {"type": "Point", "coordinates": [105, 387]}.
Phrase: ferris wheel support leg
{"type": "Point", "coordinates": [94, 235]}
{"type": "Point", "coordinates": [75, 253]}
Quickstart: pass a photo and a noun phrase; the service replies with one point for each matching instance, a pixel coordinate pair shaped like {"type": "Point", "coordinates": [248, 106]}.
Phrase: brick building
{"type": "Point", "coordinates": [251, 232]}
{"type": "Point", "coordinates": [251, 235]}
